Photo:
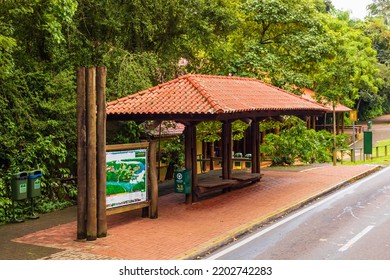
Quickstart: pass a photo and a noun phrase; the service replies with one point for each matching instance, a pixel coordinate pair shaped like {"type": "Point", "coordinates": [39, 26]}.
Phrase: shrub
{"type": "Point", "coordinates": [296, 142]}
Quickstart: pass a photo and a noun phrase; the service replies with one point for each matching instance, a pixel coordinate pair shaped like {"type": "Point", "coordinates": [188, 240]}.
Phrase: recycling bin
{"type": "Point", "coordinates": [182, 180]}
{"type": "Point", "coordinates": [367, 142]}
{"type": "Point", "coordinates": [19, 185]}
{"type": "Point", "coordinates": [34, 183]}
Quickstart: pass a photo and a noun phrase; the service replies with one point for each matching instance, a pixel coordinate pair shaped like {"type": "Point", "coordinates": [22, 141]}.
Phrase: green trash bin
{"type": "Point", "coordinates": [182, 180]}
{"type": "Point", "coordinates": [19, 185]}
{"type": "Point", "coordinates": [34, 183]}
{"type": "Point", "coordinates": [367, 142]}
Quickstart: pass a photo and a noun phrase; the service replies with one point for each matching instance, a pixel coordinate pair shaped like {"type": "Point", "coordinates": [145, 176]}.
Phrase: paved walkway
{"type": "Point", "coordinates": [187, 231]}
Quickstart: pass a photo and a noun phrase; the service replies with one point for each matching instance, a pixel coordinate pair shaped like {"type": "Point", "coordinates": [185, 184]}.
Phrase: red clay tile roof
{"type": "Point", "coordinates": [309, 95]}
{"type": "Point", "coordinates": [203, 94]}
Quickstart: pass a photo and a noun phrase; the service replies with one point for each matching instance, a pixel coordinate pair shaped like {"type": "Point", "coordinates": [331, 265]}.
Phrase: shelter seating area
{"type": "Point", "coordinates": [212, 182]}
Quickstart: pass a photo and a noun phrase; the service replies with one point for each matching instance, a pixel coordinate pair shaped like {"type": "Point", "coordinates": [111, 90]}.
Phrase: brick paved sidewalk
{"type": "Point", "coordinates": [186, 231]}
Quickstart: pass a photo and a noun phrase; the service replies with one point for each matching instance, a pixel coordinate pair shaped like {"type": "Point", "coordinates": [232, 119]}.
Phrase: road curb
{"type": "Point", "coordinates": [204, 249]}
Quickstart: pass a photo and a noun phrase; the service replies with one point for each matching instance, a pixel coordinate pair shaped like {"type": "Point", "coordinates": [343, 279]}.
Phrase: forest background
{"type": "Point", "coordinates": [292, 44]}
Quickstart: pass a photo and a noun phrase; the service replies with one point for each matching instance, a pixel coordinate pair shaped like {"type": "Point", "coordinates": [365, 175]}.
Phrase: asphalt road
{"type": "Point", "coordinates": [351, 224]}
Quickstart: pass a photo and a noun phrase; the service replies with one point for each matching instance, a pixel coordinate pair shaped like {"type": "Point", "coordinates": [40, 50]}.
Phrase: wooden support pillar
{"type": "Point", "coordinates": [212, 152]}
{"type": "Point", "coordinates": [255, 132]}
{"type": "Point", "coordinates": [194, 180]}
{"type": "Point", "coordinates": [227, 164]}
{"type": "Point", "coordinates": [187, 155]}
{"type": "Point", "coordinates": [204, 149]}
{"type": "Point", "coordinates": [308, 122]}
{"type": "Point", "coordinates": [81, 155]}
{"type": "Point", "coordinates": [91, 155]}
{"type": "Point", "coordinates": [153, 180]}
{"type": "Point", "coordinates": [313, 122]}
{"type": "Point", "coordinates": [190, 161]}
{"type": "Point", "coordinates": [101, 75]}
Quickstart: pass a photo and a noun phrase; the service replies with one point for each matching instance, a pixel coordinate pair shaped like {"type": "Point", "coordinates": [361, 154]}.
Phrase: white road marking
{"type": "Point", "coordinates": [355, 239]}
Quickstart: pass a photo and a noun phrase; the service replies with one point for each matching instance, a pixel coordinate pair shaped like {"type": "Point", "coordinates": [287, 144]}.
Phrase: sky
{"type": "Point", "coordinates": [358, 7]}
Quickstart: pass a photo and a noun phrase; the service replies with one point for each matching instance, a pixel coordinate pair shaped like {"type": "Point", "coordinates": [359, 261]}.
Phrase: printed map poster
{"type": "Point", "coordinates": [126, 177]}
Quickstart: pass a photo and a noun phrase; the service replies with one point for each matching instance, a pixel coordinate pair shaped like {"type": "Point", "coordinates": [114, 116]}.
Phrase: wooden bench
{"type": "Point", "coordinates": [213, 184]}
{"type": "Point", "coordinates": [247, 176]}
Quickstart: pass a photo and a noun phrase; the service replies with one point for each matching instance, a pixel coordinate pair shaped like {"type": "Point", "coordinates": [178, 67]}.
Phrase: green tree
{"type": "Point", "coordinates": [280, 40]}
{"type": "Point", "coordinates": [352, 67]}
{"type": "Point", "coordinates": [380, 8]}
{"type": "Point", "coordinates": [379, 32]}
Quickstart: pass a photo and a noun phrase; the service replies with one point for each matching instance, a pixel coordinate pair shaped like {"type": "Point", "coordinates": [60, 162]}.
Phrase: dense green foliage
{"type": "Point", "coordinates": [297, 143]}
{"type": "Point", "coordinates": [305, 43]}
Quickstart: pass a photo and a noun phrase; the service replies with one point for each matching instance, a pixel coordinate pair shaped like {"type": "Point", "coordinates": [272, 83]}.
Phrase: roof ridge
{"type": "Point", "coordinates": [202, 91]}
{"type": "Point", "coordinates": [220, 77]}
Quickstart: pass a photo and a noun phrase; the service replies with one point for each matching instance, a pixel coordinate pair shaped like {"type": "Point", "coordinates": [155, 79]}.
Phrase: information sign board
{"type": "Point", "coordinates": [126, 181]}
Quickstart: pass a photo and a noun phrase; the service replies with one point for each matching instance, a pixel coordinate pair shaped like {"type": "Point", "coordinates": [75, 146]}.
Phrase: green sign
{"type": "Point", "coordinates": [367, 142]}
{"type": "Point", "coordinates": [126, 173]}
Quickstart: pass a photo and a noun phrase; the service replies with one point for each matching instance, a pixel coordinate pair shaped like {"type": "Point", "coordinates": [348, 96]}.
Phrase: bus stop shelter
{"type": "Point", "coordinates": [192, 98]}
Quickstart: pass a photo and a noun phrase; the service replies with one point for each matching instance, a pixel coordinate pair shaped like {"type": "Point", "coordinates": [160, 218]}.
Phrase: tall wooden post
{"type": "Point", "coordinates": [81, 155]}
{"type": "Point", "coordinates": [101, 151]}
{"type": "Point", "coordinates": [91, 155]}
{"type": "Point", "coordinates": [153, 180]}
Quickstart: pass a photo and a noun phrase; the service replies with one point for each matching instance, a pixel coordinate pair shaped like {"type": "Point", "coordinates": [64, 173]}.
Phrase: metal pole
{"type": "Point", "coordinates": [353, 141]}
{"type": "Point", "coordinates": [334, 135]}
